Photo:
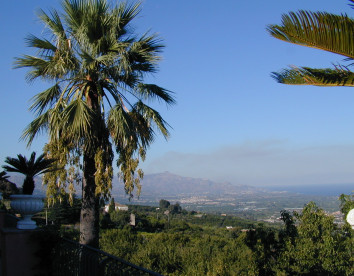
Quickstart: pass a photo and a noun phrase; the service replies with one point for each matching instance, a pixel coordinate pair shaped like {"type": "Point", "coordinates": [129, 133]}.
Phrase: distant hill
{"type": "Point", "coordinates": [168, 184]}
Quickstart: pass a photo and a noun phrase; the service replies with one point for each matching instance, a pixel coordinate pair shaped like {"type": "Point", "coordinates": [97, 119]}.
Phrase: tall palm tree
{"type": "Point", "coordinates": [319, 30]}
{"type": "Point", "coordinates": [97, 67]}
{"type": "Point", "coordinates": [30, 168]}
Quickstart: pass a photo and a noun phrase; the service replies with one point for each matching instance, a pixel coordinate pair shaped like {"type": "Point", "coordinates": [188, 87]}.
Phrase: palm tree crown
{"type": "Point", "coordinates": [320, 30]}
{"type": "Point", "coordinates": [30, 168]}
{"type": "Point", "coordinates": [97, 66]}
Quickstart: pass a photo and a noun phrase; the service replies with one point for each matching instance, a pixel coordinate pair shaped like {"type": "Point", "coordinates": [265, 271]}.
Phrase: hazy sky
{"type": "Point", "coordinates": [232, 121]}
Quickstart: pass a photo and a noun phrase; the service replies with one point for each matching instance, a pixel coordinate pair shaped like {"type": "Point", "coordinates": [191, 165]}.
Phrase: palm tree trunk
{"type": "Point", "coordinates": [89, 218]}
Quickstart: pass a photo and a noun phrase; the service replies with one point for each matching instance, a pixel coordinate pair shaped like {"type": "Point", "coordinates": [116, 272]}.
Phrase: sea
{"type": "Point", "coordinates": [321, 190]}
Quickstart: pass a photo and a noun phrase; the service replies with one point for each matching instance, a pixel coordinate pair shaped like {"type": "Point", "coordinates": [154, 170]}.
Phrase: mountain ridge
{"type": "Point", "coordinates": [167, 183]}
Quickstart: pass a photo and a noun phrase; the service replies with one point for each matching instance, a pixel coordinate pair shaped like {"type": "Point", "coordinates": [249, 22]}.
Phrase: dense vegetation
{"type": "Point", "coordinates": [172, 241]}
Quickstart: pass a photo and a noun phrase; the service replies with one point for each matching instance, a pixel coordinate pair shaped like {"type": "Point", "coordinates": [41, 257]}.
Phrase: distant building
{"type": "Point", "coordinates": [117, 207]}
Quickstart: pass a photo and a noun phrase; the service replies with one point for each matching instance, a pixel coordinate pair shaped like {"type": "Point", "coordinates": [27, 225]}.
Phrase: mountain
{"type": "Point", "coordinates": [168, 184]}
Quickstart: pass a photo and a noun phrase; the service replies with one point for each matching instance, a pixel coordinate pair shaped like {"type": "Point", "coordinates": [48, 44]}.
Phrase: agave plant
{"type": "Point", "coordinates": [30, 168]}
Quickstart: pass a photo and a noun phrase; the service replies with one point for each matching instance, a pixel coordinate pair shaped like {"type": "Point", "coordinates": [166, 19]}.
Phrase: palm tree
{"type": "Point", "coordinates": [30, 168]}
{"type": "Point", "coordinates": [319, 30]}
{"type": "Point", "coordinates": [97, 67]}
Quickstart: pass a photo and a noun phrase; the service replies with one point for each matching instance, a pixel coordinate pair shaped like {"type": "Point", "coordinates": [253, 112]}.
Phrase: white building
{"type": "Point", "coordinates": [118, 207]}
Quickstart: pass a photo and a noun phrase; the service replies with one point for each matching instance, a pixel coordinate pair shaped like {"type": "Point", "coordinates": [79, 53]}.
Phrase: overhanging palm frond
{"type": "Point", "coordinates": [318, 30]}
{"type": "Point", "coordinates": [153, 116]}
{"type": "Point", "coordinates": [318, 77]}
{"type": "Point", "coordinates": [38, 125]}
{"type": "Point", "coordinates": [42, 100]}
{"type": "Point", "coordinates": [152, 91]}
{"type": "Point", "coordinates": [120, 124]}
{"type": "Point", "coordinates": [352, 5]}
{"type": "Point", "coordinates": [78, 119]}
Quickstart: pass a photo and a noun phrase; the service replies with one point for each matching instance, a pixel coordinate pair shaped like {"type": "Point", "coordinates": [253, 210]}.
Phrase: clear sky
{"type": "Point", "coordinates": [232, 121]}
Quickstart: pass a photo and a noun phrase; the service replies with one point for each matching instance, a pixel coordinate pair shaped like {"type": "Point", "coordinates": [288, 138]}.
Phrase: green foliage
{"type": "Point", "coordinates": [319, 248]}
{"type": "Point", "coordinates": [262, 241]}
{"type": "Point", "coordinates": [120, 219]}
{"type": "Point", "coordinates": [65, 212]}
{"type": "Point", "coordinates": [175, 209]}
{"type": "Point", "coordinates": [164, 204]}
{"type": "Point", "coordinates": [346, 203]}
{"type": "Point", "coordinates": [308, 244]}
{"type": "Point", "coordinates": [120, 242]}
{"type": "Point", "coordinates": [112, 206]}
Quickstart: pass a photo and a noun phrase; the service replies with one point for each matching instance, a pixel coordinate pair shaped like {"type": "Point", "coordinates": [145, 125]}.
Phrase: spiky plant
{"type": "Point", "coordinates": [30, 168]}
{"type": "Point", "coordinates": [96, 65]}
{"type": "Point", "coordinates": [319, 30]}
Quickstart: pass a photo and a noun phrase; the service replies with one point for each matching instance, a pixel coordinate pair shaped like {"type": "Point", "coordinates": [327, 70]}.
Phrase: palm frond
{"type": "Point", "coordinates": [318, 77]}
{"type": "Point", "coordinates": [150, 91]}
{"type": "Point", "coordinates": [42, 44]}
{"type": "Point", "coordinates": [146, 49]}
{"type": "Point", "coordinates": [320, 30]}
{"type": "Point", "coordinates": [39, 124]}
{"type": "Point", "coordinates": [73, 13]}
{"type": "Point", "coordinates": [144, 133]}
{"type": "Point", "coordinates": [351, 5]}
{"type": "Point", "coordinates": [78, 118]}
{"type": "Point", "coordinates": [42, 100]}
{"type": "Point", "coordinates": [153, 116]}
{"type": "Point", "coordinates": [39, 66]}
{"type": "Point", "coordinates": [124, 13]}
{"type": "Point", "coordinates": [119, 124]}
{"type": "Point", "coordinates": [31, 167]}
{"type": "Point", "coordinates": [53, 22]}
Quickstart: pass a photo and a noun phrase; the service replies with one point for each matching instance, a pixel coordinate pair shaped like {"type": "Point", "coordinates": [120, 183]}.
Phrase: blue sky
{"type": "Point", "coordinates": [232, 121]}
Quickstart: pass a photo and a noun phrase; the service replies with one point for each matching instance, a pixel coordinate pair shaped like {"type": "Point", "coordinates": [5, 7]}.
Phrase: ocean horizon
{"type": "Point", "coordinates": [321, 190]}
